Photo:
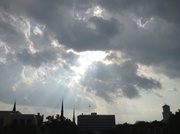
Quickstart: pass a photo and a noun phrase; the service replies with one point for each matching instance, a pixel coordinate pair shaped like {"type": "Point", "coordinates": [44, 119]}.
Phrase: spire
{"type": "Point", "coordinates": [62, 111]}
{"type": "Point", "coordinates": [74, 120]}
{"type": "Point", "coordinates": [14, 108]}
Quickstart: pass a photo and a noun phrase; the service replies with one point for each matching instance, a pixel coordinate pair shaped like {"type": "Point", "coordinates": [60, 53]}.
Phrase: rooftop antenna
{"type": "Point", "coordinates": [89, 109]}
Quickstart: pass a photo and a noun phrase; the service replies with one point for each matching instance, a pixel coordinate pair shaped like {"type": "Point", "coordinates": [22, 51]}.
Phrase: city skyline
{"type": "Point", "coordinates": [118, 57]}
{"type": "Point", "coordinates": [14, 121]}
{"type": "Point", "coordinates": [166, 112]}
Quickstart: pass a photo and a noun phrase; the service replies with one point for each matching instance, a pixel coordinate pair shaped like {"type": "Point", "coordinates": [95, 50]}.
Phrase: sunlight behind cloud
{"type": "Point", "coordinates": [97, 11]}
{"type": "Point", "coordinates": [86, 58]}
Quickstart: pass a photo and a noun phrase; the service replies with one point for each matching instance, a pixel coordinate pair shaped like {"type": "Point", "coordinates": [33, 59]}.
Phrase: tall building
{"type": "Point", "coordinates": [166, 112]}
{"type": "Point", "coordinates": [95, 123]}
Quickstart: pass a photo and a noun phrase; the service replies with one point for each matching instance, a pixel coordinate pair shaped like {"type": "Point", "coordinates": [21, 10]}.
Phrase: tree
{"type": "Point", "coordinates": [50, 118]}
{"type": "Point", "coordinates": [57, 126]}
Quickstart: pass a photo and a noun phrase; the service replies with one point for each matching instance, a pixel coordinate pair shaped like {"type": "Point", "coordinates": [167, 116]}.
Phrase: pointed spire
{"type": "Point", "coordinates": [74, 120]}
{"type": "Point", "coordinates": [14, 108]}
{"type": "Point", "coordinates": [62, 111]}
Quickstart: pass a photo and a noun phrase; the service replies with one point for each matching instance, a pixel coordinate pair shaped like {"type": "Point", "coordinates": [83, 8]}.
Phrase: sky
{"type": "Point", "coordinates": [116, 57]}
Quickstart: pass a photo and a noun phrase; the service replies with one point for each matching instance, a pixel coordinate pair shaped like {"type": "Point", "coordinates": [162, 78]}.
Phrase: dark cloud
{"type": "Point", "coordinates": [36, 59]}
{"type": "Point", "coordinates": [157, 48]}
{"type": "Point", "coordinates": [156, 45]}
{"type": "Point", "coordinates": [6, 28]}
{"type": "Point", "coordinates": [45, 57]}
{"type": "Point", "coordinates": [59, 17]}
{"type": "Point", "coordinates": [108, 28]}
{"type": "Point", "coordinates": [81, 37]}
{"type": "Point", "coordinates": [70, 58]}
{"type": "Point", "coordinates": [4, 5]}
{"type": "Point", "coordinates": [117, 80]}
{"type": "Point", "coordinates": [165, 9]}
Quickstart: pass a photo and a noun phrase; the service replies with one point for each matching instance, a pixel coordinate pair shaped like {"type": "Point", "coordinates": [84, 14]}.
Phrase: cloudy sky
{"type": "Point", "coordinates": [119, 57]}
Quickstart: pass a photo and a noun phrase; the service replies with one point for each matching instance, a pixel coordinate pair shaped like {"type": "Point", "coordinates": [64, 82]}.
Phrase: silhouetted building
{"type": "Point", "coordinates": [95, 123]}
{"type": "Point", "coordinates": [15, 118]}
{"type": "Point", "coordinates": [74, 119]}
{"type": "Point", "coordinates": [24, 119]}
{"type": "Point", "coordinates": [6, 117]}
{"type": "Point", "coordinates": [166, 112]}
{"type": "Point", "coordinates": [40, 118]}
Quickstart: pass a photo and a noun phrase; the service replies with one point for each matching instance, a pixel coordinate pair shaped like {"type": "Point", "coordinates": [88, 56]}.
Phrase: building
{"type": "Point", "coordinates": [15, 118]}
{"type": "Point", "coordinates": [24, 119]}
{"type": "Point", "coordinates": [95, 123]}
{"type": "Point", "coordinates": [166, 112]}
{"type": "Point", "coordinates": [6, 117]}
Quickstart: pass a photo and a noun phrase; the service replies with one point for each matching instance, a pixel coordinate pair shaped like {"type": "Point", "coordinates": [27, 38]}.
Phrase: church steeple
{"type": "Point", "coordinates": [14, 108]}
{"type": "Point", "coordinates": [62, 112]}
{"type": "Point", "coordinates": [74, 120]}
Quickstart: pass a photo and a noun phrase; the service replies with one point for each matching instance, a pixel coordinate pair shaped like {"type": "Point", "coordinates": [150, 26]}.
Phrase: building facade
{"type": "Point", "coordinates": [6, 117]}
{"type": "Point", "coordinates": [95, 123]}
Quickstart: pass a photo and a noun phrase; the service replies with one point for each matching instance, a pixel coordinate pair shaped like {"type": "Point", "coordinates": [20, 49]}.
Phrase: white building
{"type": "Point", "coordinates": [95, 123]}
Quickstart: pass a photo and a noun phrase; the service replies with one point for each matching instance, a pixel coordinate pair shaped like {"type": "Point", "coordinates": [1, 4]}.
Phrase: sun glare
{"type": "Point", "coordinates": [86, 58]}
{"type": "Point", "coordinates": [98, 11]}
